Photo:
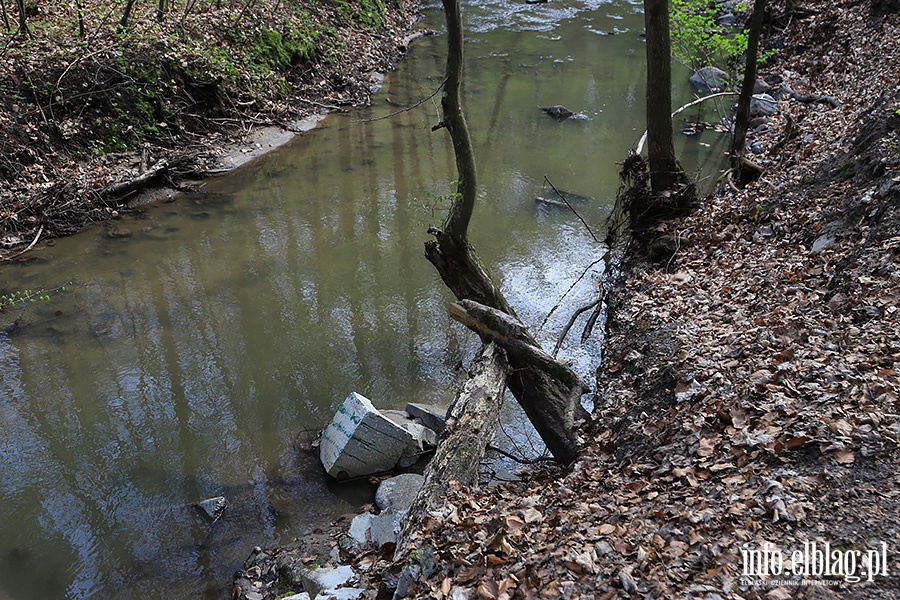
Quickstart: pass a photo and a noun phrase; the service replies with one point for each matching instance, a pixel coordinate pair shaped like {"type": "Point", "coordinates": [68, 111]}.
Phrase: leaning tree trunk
{"type": "Point", "coordinates": [549, 402]}
{"type": "Point", "coordinates": [470, 427]}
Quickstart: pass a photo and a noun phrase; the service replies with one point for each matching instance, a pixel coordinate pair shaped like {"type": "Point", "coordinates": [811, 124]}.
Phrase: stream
{"type": "Point", "coordinates": [186, 350]}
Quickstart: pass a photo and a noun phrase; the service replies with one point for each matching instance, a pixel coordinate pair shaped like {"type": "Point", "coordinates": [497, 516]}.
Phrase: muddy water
{"type": "Point", "coordinates": [195, 343]}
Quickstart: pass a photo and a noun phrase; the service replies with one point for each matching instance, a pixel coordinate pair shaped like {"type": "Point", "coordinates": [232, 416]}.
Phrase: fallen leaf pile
{"type": "Point", "coordinates": [749, 388]}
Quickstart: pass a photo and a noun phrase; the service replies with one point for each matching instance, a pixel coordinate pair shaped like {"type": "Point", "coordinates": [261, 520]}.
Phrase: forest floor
{"type": "Point", "coordinates": [90, 120]}
{"type": "Point", "coordinates": [746, 437]}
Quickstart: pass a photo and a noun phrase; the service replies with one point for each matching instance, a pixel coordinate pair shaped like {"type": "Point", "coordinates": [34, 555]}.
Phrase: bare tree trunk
{"type": "Point", "coordinates": [23, 22]}
{"type": "Point", "coordinates": [549, 402]}
{"type": "Point", "coordinates": [161, 10]}
{"type": "Point", "coordinates": [742, 118]}
{"type": "Point", "coordinates": [5, 15]}
{"type": "Point", "coordinates": [664, 167]}
{"type": "Point", "coordinates": [471, 425]}
{"type": "Point", "coordinates": [80, 10]}
{"type": "Point", "coordinates": [126, 16]}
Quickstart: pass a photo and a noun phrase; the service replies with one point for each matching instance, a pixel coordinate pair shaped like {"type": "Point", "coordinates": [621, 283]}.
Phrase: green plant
{"type": "Point", "coordinates": [432, 202]}
{"type": "Point", "coordinates": [26, 297]}
{"type": "Point", "coordinates": [699, 41]}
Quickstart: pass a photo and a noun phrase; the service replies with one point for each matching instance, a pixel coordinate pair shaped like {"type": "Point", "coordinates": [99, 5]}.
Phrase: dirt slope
{"type": "Point", "coordinates": [748, 393]}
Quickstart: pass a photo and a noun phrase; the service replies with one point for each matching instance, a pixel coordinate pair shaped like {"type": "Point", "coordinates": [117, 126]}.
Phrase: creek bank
{"type": "Point", "coordinates": [748, 392]}
{"type": "Point", "coordinates": [164, 111]}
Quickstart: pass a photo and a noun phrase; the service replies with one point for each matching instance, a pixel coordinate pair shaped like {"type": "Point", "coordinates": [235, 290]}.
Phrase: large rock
{"type": "Point", "coordinates": [398, 493]}
{"type": "Point", "coordinates": [710, 80]}
{"type": "Point", "coordinates": [763, 105]}
{"type": "Point", "coordinates": [374, 531]}
{"type": "Point", "coordinates": [361, 441]}
{"type": "Point", "coordinates": [423, 439]}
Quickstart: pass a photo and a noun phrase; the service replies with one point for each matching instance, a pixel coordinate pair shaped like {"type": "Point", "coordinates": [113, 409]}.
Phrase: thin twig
{"type": "Point", "coordinates": [558, 193]}
{"type": "Point", "coordinates": [319, 104]}
{"type": "Point", "coordinates": [575, 315]}
{"type": "Point", "coordinates": [571, 287]}
{"type": "Point", "coordinates": [519, 459]}
{"type": "Point", "coordinates": [408, 108]}
{"type": "Point", "coordinates": [641, 143]}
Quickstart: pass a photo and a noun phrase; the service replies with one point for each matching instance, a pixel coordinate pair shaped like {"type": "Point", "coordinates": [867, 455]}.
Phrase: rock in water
{"type": "Point", "coordinates": [212, 508]}
{"type": "Point", "coordinates": [361, 441]}
{"type": "Point", "coordinates": [710, 80]}
{"type": "Point", "coordinates": [558, 112]}
{"type": "Point", "coordinates": [398, 493]}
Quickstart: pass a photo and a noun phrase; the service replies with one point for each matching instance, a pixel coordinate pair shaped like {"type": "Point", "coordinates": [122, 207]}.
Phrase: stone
{"type": "Point", "coordinates": [710, 79]}
{"type": "Point", "coordinates": [398, 493]}
{"type": "Point", "coordinates": [433, 417]}
{"type": "Point", "coordinates": [757, 148]}
{"type": "Point", "coordinates": [726, 20]}
{"type": "Point", "coordinates": [212, 508]}
{"type": "Point", "coordinates": [374, 531]}
{"type": "Point", "coordinates": [300, 596]}
{"type": "Point", "coordinates": [347, 593]}
{"type": "Point", "coordinates": [761, 87]}
{"type": "Point", "coordinates": [763, 105]}
{"type": "Point", "coordinates": [317, 580]}
{"type": "Point", "coordinates": [423, 438]}
{"type": "Point", "coordinates": [361, 441]}
{"type": "Point", "coordinates": [408, 576]}
{"type": "Point", "coordinates": [823, 242]}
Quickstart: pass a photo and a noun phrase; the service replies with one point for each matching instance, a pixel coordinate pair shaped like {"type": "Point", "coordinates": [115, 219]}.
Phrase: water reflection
{"type": "Point", "coordinates": [193, 342]}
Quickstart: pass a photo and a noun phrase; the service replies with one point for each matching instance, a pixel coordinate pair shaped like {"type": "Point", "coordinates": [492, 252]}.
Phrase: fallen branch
{"type": "Point", "coordinates": [509, 333]}
{"type": "Point", "coordinates": [575, 315]}
{"type": "Point", "coordinates": [810, 98]}
{"type": "Point", "coordinates": [408, 108]}
{"type": "Point", "coordinates": [563, 198]}
{"type": "Point", "coordinates": [643, 140]}
{"type": "Point", "coordinates": [124, 187]}
{"type": "Point", "coordinates": [30, 246]}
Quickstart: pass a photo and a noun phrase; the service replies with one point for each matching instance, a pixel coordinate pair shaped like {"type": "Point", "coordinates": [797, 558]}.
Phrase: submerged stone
{"type": "Point", "coordinates": [212, 508]}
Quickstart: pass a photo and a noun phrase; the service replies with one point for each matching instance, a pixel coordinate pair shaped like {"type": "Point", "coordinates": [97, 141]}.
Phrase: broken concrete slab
{"type": "Point", "coordinates": [433, 417]}
{"type": "Point", "coordinates": [360, 440]}
{"type": "Point", "coordinates": [398, 493]}
{"type": "Point", "coordinates": [423, 439]}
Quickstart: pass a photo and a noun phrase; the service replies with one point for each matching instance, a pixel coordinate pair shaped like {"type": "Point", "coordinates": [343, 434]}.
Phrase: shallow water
{"type": "Point", "coordinates": [195, 343]}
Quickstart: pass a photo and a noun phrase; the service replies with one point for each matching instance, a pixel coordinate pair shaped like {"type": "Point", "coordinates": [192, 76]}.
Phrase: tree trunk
{"type": "Point", "coordinates": [471, 425]}
{"type": "Point", "coordinates": [23, 22]}
{"type": "Point", "coordinates": [5, 16]}
{"type": "Point", "coordinates": [664, 169]}
{"type": "Point", "coordinates": [742, 118]}
{"type": "Point", "coordinates": [126, 16]}
{"type": "Point", "coordinates": [549, 403]}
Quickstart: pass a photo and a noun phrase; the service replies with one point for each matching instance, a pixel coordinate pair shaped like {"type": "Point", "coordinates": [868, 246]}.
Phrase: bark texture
{"type": "Point", "coordinates": [549, 403]}
{"type": "Point", "coordinates": [471, 425]}
{"type": "Point", "coordinates": [664, 169]}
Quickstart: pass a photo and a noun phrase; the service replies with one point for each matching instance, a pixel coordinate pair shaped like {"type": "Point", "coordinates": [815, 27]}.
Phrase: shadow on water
{"type": "Point", "coordinates": [195, 340]}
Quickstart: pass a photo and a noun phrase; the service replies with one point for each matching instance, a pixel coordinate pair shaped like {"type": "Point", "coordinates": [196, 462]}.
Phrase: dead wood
{"type": "Point", "coordinates": [125, 187]}
{"type": "Point", "coordinates": [471, 426]}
